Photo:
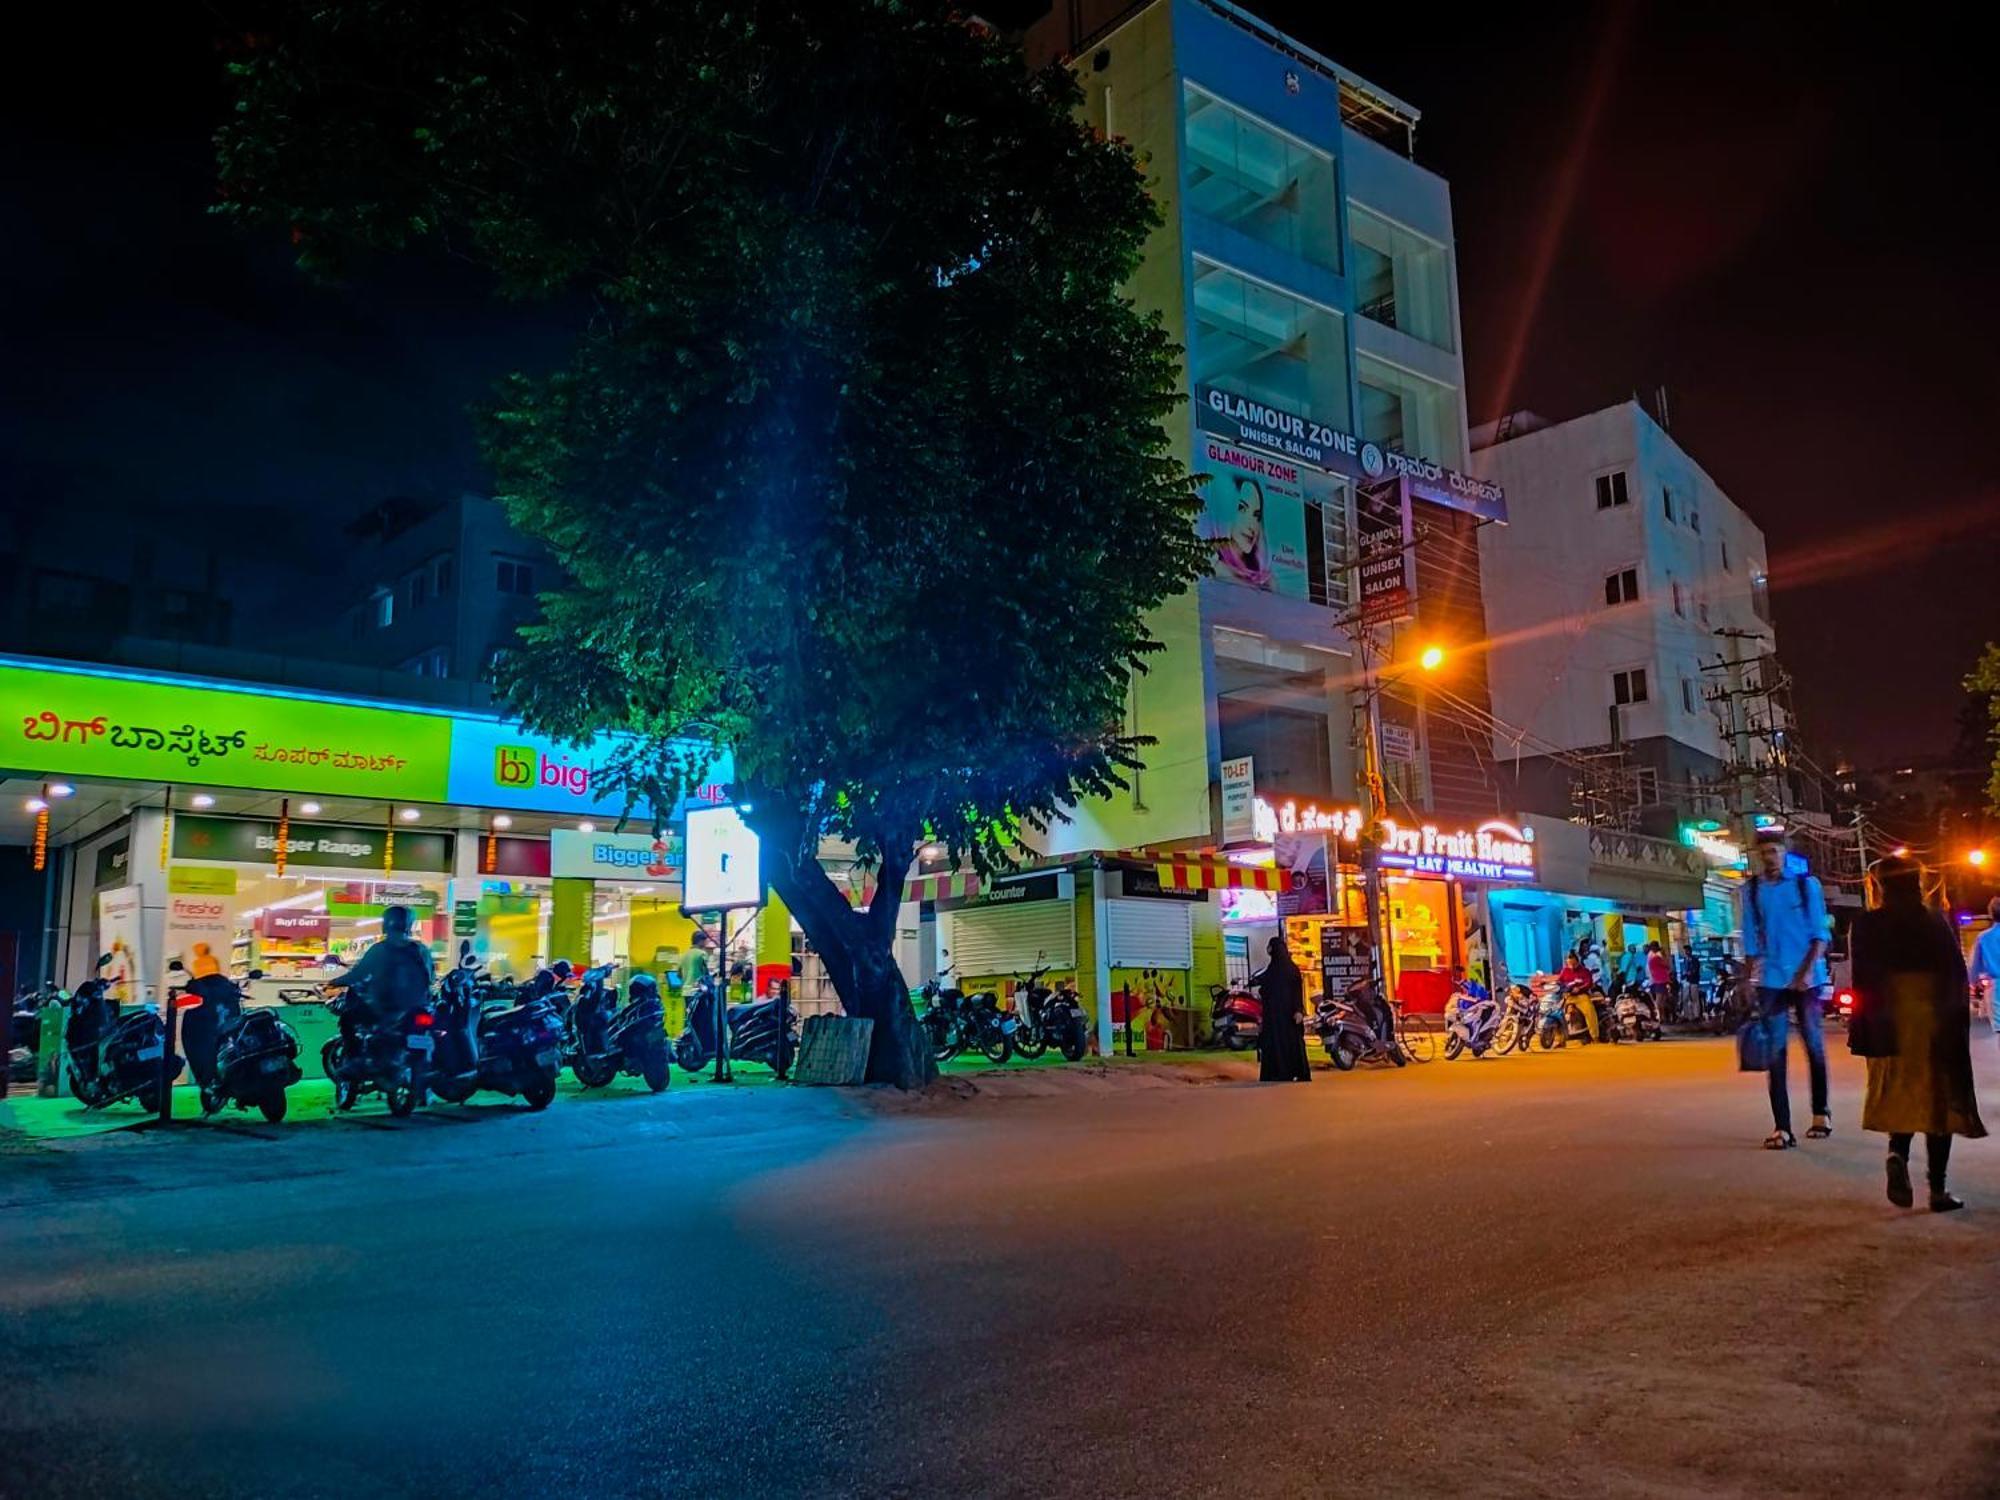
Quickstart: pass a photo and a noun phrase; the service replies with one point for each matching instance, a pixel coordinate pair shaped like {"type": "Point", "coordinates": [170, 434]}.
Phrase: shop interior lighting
{"type": "Point", "coordinates": [310, 809]}
{"type": "Point", "coordinates": [409, 815]}
{"type": "Point", "coordinates": [503, 821]}
{"type": "Point", "coordinates": [586, 828]}
{"type": "Point", "coordinates": [60, 789]}
{"type": "Point", "coordinates": [36, 804]}
{"type": "Point", "coordinates": [201, 799]}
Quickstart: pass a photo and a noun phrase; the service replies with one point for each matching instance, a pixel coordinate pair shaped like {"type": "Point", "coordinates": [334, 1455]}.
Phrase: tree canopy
{"type": "Point", "coordinates": [859, 460]}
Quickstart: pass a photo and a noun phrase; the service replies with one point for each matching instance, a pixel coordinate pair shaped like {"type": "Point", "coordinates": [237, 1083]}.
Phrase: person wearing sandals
{"type": "Point", "coordinates": [1913, 1022]}
{"type": "Point", "coordinates": [1784, 937]}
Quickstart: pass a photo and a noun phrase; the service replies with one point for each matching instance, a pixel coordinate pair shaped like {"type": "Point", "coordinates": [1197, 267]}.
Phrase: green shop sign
{"type": "Point", "coordinates": [83, 724]}
{"type": "Point", "coordinates": [321, 846]}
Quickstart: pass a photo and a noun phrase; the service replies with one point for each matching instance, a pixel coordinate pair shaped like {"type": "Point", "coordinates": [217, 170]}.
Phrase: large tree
{"type": "Point", "coordinates": [1982, 727]}
{"type": "Point", "coordinates": [859, 460]}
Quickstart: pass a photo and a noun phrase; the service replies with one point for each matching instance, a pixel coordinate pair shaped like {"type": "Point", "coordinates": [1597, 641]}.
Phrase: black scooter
{"type": "Point", "coordinates": [600, 1040]}
{"type": "Point", "coordinates": [487, 1043]}
{"type": "Point", "coordinates": [764, 1031]}
{"type": "Point", "coordinates": [244, 1057]}
{"type": "Point", "coordinates": [389, 1055]}
{"type": "Point", "coordinates": [113, 1056]}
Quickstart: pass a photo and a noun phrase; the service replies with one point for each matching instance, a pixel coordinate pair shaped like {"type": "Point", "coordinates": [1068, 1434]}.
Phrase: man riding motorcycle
{"type": "Point", "coordinates": [393, 978]}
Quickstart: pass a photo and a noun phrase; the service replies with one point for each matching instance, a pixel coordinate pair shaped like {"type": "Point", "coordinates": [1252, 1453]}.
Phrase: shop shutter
{"type": "Point", "coordinates": [1150, 934]}
{"type": "Point", "coordinates": [987, 942]}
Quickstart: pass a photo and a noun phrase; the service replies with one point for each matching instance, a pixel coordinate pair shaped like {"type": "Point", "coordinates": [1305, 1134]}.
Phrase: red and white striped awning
{"type": "Point", "coordinates": [1217, 875]}
{"type": "Point", "coordinates": [941, 888]}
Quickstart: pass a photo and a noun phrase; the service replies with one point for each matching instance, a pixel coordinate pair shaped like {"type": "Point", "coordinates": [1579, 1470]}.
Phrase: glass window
{"type": "Point", "coordinates": [1760, 595]}
{"type": "Point", "coordinates": [1629, 686]}
{"type": "Point", "coordinates": [418, 587]}
{"type": "Point", "coordinates": [441, 577]}
{"type": "Point", "coordinates": [1687, 695]}
{"type": "Point", "coordinates": [1611, 490]}
{"type": "Point", "coordinates": [1622, 587]}
{"type": "Point", "coordinates": [1408, 413]}
{"type": "Point", "coordinates": [1667, 500]}
{"type": "Point", "coordinates": [1679, 605]}
{"type": "Point", "coordinates": [1259, 342]}
{"type": "Point", "coordinates": [1243, 173]}
{"type": "Point", "coordinates": [1725, 556]}
{"type": "Point", "coordinates": [515, 577]}
{"type": "Point", "coordinates": [1401, 279]}
{"type": "Point", "coordinates": [385, 608]}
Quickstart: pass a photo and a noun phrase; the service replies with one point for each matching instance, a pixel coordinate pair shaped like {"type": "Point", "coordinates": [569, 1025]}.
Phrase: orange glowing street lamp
{"type": "Point", "coordinates": [1431, 658]}
{"type": "Point", "coordinates": [1976, 858]}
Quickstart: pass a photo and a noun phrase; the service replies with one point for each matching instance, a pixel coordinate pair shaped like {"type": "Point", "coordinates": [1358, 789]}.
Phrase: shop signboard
{"type": "Point", "coordinates": [1495, 850]}
{"type": "Point", "coordinates": [199, 927]}
{"type": "Point", "coordinates": [1144, 881]}
{"type": "Point", "coordinates": [1302, 856]}
{"type": "Point", "coordinates": [1255, 518]}
{"type": "Point", "coordinates": [296, 925]}
{"type": "Point", "coordinates": [1240, 419]}
{"type": "Point", "coordinates": [364, 898]}
{"type": "Point", "coordinates": [1386, 572]}
{"type": "Point", "coordinates": [464, 919]}
{"type": "Point", "coordinates": [498, 764]}
{"type": "Point", "coordinates": [325, 846]}
{"type": "Point", "coordinates": [200, 880]}
{"type": "Point", "coordinates": [1301, 815]}
{"type": "Point", "coordinates": [1399, 743]}
{"type": "Point", "coordinates": [1239, 800]}
{"type": "Point", "coordinates": [629, 857]}
{"type": "Point", "coordinates": [1346, 956]}
{"type": "Point", "coordinates": [1047, 886]}
{"type": "Point", "coordinates": [120, 932]}
{"type": "Point", "coordinates": [172, 732]}
{"type": "Point", "coordinates": [723, 865]}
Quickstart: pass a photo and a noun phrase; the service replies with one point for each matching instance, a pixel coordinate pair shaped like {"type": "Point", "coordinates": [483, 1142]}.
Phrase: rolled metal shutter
{"type": "Point", "coordinates": [1149, 934]}
{"type": "Point", "coordinates": [999, 940]}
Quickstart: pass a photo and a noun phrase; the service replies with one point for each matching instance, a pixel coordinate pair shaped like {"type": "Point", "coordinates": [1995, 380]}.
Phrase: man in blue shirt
{"type": "Point", "coordinates": [1785, 938]}
{"type": "Point", "coordinates": [1986, 964]}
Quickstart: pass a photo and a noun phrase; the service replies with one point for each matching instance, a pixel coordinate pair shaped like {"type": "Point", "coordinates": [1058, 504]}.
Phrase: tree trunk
{"type": "Point", "coordinates": [858, 949]}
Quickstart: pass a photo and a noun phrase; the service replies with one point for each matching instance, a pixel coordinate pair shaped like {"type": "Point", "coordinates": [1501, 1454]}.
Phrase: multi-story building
{"type": "Point", "coordinates": [1306, 265]}
{"type": "Point", "coordinates": [1632, 659]}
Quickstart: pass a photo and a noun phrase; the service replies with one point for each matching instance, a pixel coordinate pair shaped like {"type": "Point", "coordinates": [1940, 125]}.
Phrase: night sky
{"type": "Point", "coordinates": [1782, 214]}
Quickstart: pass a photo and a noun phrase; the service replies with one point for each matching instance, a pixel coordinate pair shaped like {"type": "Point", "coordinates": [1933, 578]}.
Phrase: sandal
{"type": "Point", "coordinates": [1900, 1192]}
{"type": "Point", "coordinates": [1780, 1140]}
{"type": "Point", "coordinates": [1822, 1127]}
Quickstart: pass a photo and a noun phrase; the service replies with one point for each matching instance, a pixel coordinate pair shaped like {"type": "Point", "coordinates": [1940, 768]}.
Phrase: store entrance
{"type": "Point", "coordinates": [1425, 921]}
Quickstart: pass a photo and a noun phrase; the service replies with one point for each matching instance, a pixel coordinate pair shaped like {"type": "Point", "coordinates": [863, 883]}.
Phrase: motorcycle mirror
{"type": "Point", "coordinates": [103, 960]}
{"type": "Point", "coordinates": [254, 974]}
{"type": "Point", "coordinates": [175, 966]}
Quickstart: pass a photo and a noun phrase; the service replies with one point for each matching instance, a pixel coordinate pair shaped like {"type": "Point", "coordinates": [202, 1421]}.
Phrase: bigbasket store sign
{"type": "Point", "coordinates": [56, 721]}
{"type": "Point", "coordinates": [1295, 435]}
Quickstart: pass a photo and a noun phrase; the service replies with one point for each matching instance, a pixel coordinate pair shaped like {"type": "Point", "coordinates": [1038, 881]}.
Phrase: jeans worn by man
{"type": "Point", "coordinates": [1779, 1007]}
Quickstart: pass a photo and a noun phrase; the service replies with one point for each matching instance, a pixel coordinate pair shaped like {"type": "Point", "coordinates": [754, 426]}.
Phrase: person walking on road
{"type": "Point", "coordinates": [1660, 982]}
{"type": "Point", "coordinates": [1986, 965]}
{"type": "Point", "coordinates": [1282, 1043]}
{"type": "Point", "coordinates": [1784, 937]}
{"type": "Point", "coordinates": [1914, 1025]}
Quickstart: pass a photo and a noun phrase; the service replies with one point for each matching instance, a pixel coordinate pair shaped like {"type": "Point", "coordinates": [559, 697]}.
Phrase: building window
{"type": "Point", "coordinates": [1611, 489]}
{"type": "Point", "coordinates": [1401, 279]}
{"type": "Point", "coordinates": [1646, 786]}
{"type": "Point", "coordinates": [441, 577]}
{"type": "Point", "coordinates": [1256, 341]}
{"type": "Point", "coordinates": [1629, 686]}
{"type": "Point", "coordinates": [417, 585]}
{"type": "Point", "coordinates": [384, 608]}
{"type": "Point", "coordinates": [1687, 695]}
{"type": "Point", "coordinates": [1260, 181]}
{"type": "Point", "coordinates": [1725, 556]}
{"type": "Point", "coordinates": [433, 663]}
{"type": "Point", "coordinates": [1702, 610]}
{"type": "Point", "coordinates": [1407, 412]}
{"type": "Point", "coordinates": [1667, 500]}
{"type": "Point", "coordinates": [515, 577]}
{"type": "Point", "coordinates": [1760, 595]}
{"type": "Point", "coordinates": [1621, 587]}
{"type": "Point", "coordinates": [1679, 604]}
{"type": "Point", "coordinates": [1694, 522]}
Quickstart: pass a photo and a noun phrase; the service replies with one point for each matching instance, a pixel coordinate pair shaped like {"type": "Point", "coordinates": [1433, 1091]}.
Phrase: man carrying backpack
{"type": "Point", "coordinates": [395, 974]}
{"type": "Point", "coordinates": [1784, 937]}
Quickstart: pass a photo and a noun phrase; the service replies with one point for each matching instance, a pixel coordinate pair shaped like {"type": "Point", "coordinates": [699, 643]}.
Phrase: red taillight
{"type": "Point", "coordinates": [1845, 999]}
{"type": "Point", "coordinates": [425, 1018]}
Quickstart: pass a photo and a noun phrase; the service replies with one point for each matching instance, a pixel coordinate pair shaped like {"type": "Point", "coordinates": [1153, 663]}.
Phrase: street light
{"type": "Point", "coordinates": [1432, 658]}
{"type": "Point", "coordinates": [1976, 858]}
{"type": "Point", "coordinates": [1901, 851]}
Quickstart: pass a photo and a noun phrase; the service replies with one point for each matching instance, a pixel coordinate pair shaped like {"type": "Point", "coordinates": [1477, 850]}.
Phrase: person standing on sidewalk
{"type": "Point", "coordinates": [1784, 937]}
{"type": "Point", "coordinates": [1281, 1045]}
{"type": "Point", "coordinates": [1913, 1024]}
{"type": "Point", "coordinates": [1986, 965]}
{"type": "Point", "coordinates": [1660, 982]}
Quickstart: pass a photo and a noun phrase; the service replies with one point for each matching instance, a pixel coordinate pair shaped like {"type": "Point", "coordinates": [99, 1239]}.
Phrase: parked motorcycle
{"type": "Point", "coordinates": [1471, 1023]}
{"type": "Point", "coordinates": [1520, 1012]}
{"type": "Point", "coordinates": [943, 1007]}
{"type": "Point", "coordinates": [24, 1033]}
{"type": "Point", "coordinates": [1235, 1018]}
{"type": "Point", "coordinates": [1633, 1018]}
{"type": "Point", "coordinates": [762, 1031]}
{"type": "Point", "coordinates": [1552, 1016]}
{"type": "Point", "coordinates": [113, 1055]}
{"type": "Point", "coordinates": [1048, 1018]}
{"type": "Point", "coordinates": [389, 1055]}
{"type": "Point", "coordinates": [1584, 1009]}
{"type": "Point", "coordinates": [483, 1043]}
{"type": "Point", "coordinates": [238, 1055]}
{"type": "Point", "coordinates": [1355, 1027]}
{"type": "Point", "coordinates": [600, 1040]}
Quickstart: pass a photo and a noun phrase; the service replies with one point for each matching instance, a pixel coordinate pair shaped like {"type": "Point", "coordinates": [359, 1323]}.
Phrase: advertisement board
{"type": "Point", "coordinates": [1239, 800]}
{"type": "Point", "coordinates": [1495, 850]}
{"type": "Point", "coordinates": [1386, 566]}
{"type": "Point", "coordinates": [325, 846]}
{"type": "Point", "coordinates": [628, 857]}
{"type": "Point", "coordinates": [198, 930]}
{"type": "Point", "coordinates": [120, 932]}
{"type": "Point", "coordinates": [497, 764]}
{"type": "Point", "coordinates": [1254, 518]}
{"type": "Point", "coordinates": [723, 869]}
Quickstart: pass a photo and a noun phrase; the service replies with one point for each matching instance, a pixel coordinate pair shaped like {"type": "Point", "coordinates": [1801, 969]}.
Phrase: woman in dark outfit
{"type": "Point", "coordinates": [1282, 1047]}
{"type": "Point", "coordinates": [1912, 1022]}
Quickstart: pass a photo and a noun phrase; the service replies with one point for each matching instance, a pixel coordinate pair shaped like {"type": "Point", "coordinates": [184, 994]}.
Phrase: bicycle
{"type": "Point", "coordinates": [1418, 1035]}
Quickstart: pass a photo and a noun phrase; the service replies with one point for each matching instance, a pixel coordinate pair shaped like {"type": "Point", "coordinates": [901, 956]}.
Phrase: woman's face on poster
{"type": "Point", "coordinates": [1247, 531]}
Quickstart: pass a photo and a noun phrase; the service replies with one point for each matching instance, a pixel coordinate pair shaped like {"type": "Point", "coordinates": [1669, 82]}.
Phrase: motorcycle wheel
{"type": "Point", "coordinates": [1453, 1045]}
{"type": "Point", "coordinates": [1075, 1044]}
{"type": "Point", "coordinates": [1503, 1039]}
{"type": "Point", "coordinates": [688, 1053]}
{"type": "Point", "coordinates": [272, 1106]}
{"type": "Point", "coordinates": [211, 1101]}
{"type": "Point", "coordinates": [1549, 1036]}
{"type": "Point", "coordinates": [1345, 1055]}
{"type": "Point", "coordinates": [539, 1091]}
{"type": "Point", "coordinates": [1029, 1045]}
{"type": "Point", "coordinates": [595, 1072]}
{"type": "Point", "coordinates": [996, 1047]}
{"type": "Point", "coordinates": [344, 1094]}
{"type": "Point", "coordinates": [149, 1100]}
{"type": "Point", "coordinates": [654, 1068]}
{"type": "Point", "coordinates": [402, 1100]}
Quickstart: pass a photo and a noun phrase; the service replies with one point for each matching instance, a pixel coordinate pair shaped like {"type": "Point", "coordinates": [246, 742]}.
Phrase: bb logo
{"type": "Point", "coordinates": [1372, 462]}
{"type": "Point", "coordinates": [514, 765]}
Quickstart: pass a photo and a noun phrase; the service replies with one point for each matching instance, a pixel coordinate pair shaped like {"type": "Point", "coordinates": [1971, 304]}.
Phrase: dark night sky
{"type": "Point", "coordinates": [1782, 213]}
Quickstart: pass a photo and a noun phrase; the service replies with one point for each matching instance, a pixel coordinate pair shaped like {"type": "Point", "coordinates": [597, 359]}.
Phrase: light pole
{"type": "Point", "coordinates": [1373, 682]}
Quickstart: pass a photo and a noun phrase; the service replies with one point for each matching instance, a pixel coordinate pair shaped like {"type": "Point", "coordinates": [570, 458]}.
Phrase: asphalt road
{"type": "Point", "coordinates": [1572, 1274]}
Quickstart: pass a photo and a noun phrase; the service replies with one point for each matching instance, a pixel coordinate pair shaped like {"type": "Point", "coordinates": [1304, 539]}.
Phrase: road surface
{"type": "Point", "coordinates": [1571, 1274]}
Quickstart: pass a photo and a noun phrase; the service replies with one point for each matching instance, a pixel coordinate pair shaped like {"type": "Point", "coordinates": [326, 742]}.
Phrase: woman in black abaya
{"type": "Point", "coordinates": [1282, 1047]}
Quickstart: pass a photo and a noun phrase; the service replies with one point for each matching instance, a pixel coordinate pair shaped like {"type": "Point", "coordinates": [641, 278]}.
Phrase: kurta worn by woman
{"type": "Point", "coordinates": [1282, 1042]}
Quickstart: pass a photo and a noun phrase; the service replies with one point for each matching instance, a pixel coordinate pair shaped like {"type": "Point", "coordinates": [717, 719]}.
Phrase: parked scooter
{"type": "Point", "coordinates": [1584, 1009]}
{"type": "Point", "coordinates": [1235, 1018]}
{"type": "Point", "coordinates": [1519, 1014]}
{"type": "Point", "coordinates": [1048, 1018]}
{"type": "Point", "coordinates": [113, 1055]}
{"type": "Point", "coordinates": [490, 1044]}
{"type": "Point", "coordinates": [1355, 1027]}
{"type": "Point", "coordinates": [1552, 1016]}
{"type": "Point", "coordinates": [1471, 1023]}
{"type": "Point", "coordinates": [389, 1055]}
{"type": "Point", "coordinates": [238, 1055]}
{"type": "Point", "coordinates": [600, 1040]}
{"type": "Point", "coordinates": [1633, 1018]}
{"type": "Point", "coordinates": [24, 1033]}
{"type": "Point", "coordinates": [763, 1031]}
